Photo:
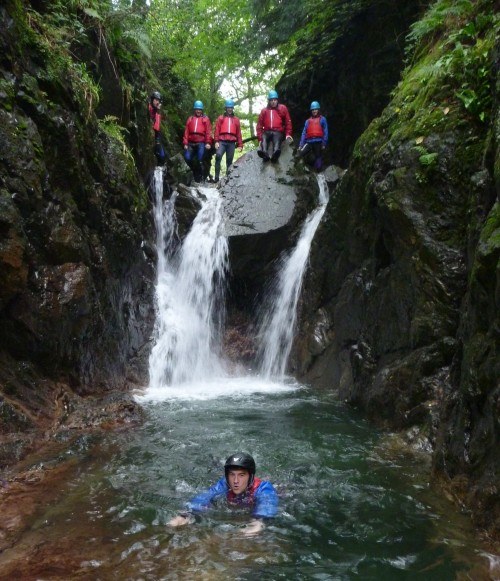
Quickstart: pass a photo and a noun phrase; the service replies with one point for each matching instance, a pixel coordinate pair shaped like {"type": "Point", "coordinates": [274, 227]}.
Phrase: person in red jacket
{"type": "Point", "coordinates": [227, 137]}
{"type": "Point", "coordinates": [273, 126]}
{"type": "Point", "coordinates": [154, 113]}
{"type": "Point", "coordinates": [197, 138]}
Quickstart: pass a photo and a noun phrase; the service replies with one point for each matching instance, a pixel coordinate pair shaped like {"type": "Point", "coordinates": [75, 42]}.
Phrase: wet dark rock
{"type": "Point", "coordinates": [355, 74]}
{"type": "Point", "coordinates": [179, 170]}
{"type": "Point", "coordinates": [187, 206]}
{"type": "Point", "coordinates": [76, 292]}
{"type": "Point", "coordinates": [399, 313]}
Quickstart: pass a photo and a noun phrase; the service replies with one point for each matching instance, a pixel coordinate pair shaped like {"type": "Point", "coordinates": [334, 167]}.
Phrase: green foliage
{"type": "Point", "coordinates": [207, 44]}
{"type": "Point", "coordinates": [118, 144]}
{"type": "Point", "coordinates": [54, 35]}
{"type": "Point", "coordinates": [440, 17]}
{"type": "Point", "coordinates": [452, 47]}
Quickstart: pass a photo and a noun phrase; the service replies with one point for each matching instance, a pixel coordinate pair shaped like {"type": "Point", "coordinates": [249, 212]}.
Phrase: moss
{"type": "Point", "coordinates": [452, 76]}
{"type": "Point", "coordinates": [490, 234]}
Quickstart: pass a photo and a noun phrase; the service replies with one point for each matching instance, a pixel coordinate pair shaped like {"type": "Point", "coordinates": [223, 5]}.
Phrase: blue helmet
{"type": "Point", "coordinates": [229, 103]}
{"type": "Point", "coordinates": [314, 105]}
{"type": "Point", "coordinates": [272, 95]}
{"type": "Point", "coordinates": [198, 105]}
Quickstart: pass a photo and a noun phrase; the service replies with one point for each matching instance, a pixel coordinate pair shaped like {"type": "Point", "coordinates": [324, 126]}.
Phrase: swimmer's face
{"type": "Point", "coordinates": [238, 480]}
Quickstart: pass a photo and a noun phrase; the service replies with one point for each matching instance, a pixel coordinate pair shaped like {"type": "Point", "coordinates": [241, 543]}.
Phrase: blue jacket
{"type": "Point", "coordinates": [262, 497]}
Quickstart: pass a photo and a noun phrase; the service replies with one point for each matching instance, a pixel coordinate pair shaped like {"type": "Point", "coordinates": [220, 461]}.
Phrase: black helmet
{"type": "Point", "coordinates": [241, 460]}
{"type": "Point", "coordinates": [155, 95]}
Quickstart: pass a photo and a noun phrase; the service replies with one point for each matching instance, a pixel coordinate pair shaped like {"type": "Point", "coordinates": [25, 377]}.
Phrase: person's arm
{"type": "Point", "coordinates": [200, 503]}
{"type": "Point", "coordinates": [203, 500]}
{"type": "Point", "coordinates": [303, 136]}
{"type": "Point", "coordinates": [185, 138]}
{"type": "Point", "coordinates": [324, 124]}
{"type": "Point", "coordinates": [266, 506]}
{"type": "Point", "coordinates": [260, 125]}
{"type": "Point", "coordinates": [266, 501]}
{"type": "Point", "coordinates": [288, 122]}
{"type": "Point", "coordinates": [239, 138]}
{"type": "Point", "coordinates": [208, 133]}
{"type": "Point", "coordinates": [217, 131]}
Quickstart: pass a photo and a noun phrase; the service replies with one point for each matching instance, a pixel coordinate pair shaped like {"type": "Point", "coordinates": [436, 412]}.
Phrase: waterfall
{"type": "Point", "coordinates": [277, 324]}
{"type": "Point", "coordinates": [189, 292]}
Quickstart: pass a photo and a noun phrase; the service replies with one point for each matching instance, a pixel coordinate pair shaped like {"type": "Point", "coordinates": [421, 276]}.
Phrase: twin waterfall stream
{"type": "Point", "coordinates": [352, 503]}
{"type": "Point", "coordinates": [190, 296]}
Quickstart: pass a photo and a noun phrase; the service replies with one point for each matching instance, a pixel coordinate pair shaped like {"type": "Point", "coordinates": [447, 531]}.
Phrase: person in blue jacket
{"type": "Point", "coordinates": [241, 489]}
{"type": "Point", "coordinates": [314, 136]}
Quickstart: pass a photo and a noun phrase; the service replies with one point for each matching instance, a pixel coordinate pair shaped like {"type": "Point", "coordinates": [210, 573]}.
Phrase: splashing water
{"type": "Point", "coordinates": [189, 294]}
{"type": "Point", "coordinates": [277, 325]}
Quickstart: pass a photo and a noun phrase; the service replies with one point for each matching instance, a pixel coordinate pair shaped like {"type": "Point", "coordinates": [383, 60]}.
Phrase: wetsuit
{"type": "Point", "coordinates": [260, 496]}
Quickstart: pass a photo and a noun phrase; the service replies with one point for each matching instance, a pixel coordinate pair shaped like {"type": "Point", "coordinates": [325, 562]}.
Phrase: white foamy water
{"type": "Point", "coordinates": [279, 312]}
{"type": "Point", "coordinates": [224, 387]}
{"type": "Point", "coordinates": [189, 294]}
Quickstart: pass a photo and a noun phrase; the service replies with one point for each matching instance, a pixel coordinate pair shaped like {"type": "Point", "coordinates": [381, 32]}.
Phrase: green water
{"type": "Point", "coordinates": [348, 510]}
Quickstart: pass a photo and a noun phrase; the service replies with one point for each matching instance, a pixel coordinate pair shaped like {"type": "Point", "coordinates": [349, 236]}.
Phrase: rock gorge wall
{"type": "Point", "coordinates": [76, 292]}
{"type": "Point", "coordinates": [402, 315]}
{"type": "Point", "coordinates": [351, 68]}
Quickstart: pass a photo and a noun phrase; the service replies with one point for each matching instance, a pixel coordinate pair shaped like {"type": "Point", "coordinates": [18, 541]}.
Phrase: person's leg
{"type": "Point", "coordinates": [263, 153]}
{"type": "Point", "coordinates": [277, 139]}
{"type": "Point", "coordinates": [218, 158]}
{"type": "Point", "coordinates": [159, 150]}
{"type": "Point", "coordinates": [318, 155]}
{"type": "Point", "coordinates": [230, 147]}
{"type": "Point", "coordinates": [188, 156]}
{"type": "Point", "coordinates": [199, 151]}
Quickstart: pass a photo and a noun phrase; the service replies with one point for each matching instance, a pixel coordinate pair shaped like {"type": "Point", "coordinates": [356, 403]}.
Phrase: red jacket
{"type": "Point", "coordinates": [155, 117]}
{"type": "Point", "coordinates": [227, 128]}
{"type": "Point", "coordinates": [198, 130]}
{"type": "Point", "coordinates": [274, 119]}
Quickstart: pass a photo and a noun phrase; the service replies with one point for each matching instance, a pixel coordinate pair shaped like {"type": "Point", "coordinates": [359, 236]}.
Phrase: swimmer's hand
{"type": "Point", "coordinates": [180, 520]}
{"type": "Point", "coordinates": [254, 528]}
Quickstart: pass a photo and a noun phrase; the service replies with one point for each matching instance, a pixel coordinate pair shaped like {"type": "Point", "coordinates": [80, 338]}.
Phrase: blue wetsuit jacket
{"type": "Point", "coordinates": [261, 496]}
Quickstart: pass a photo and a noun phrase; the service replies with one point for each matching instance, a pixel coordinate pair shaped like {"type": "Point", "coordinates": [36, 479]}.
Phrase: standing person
{"type": "Point", "coordinates": [273, 126]}
{"type": "Point", "coordinates": [242, 489]}
{"type": "Point", "coordinates": [314, 136]}
{"type": "Point", "coordinates": [227, 137]}
{"type": "Point", "coordinates": [154, 107]}
{"type": "Point", "coordinates": [197, 138]}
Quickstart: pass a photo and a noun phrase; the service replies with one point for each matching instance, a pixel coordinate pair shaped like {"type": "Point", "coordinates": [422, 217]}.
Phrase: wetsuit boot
{"type": "Point", "coordinates": [275, 156]}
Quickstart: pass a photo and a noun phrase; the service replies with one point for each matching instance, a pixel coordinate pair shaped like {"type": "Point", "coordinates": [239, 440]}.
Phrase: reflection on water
{"type": "Point", "coordinates": [346, 511]}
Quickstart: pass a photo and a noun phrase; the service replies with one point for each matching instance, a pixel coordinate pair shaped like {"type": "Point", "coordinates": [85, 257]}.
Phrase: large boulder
{"type": "Point", "coordinates": [263, 205]}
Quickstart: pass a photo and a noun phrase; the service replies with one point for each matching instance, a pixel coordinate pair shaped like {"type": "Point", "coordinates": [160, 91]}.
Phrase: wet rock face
{"type": "Point", "coordinates": [401, 315]}
{"type": "Point", "coordinates": [263, 206]}
{"type": "Point", "coordinates": [76, 287]}
{"type": "Point", "coordinates": [355, 74]}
